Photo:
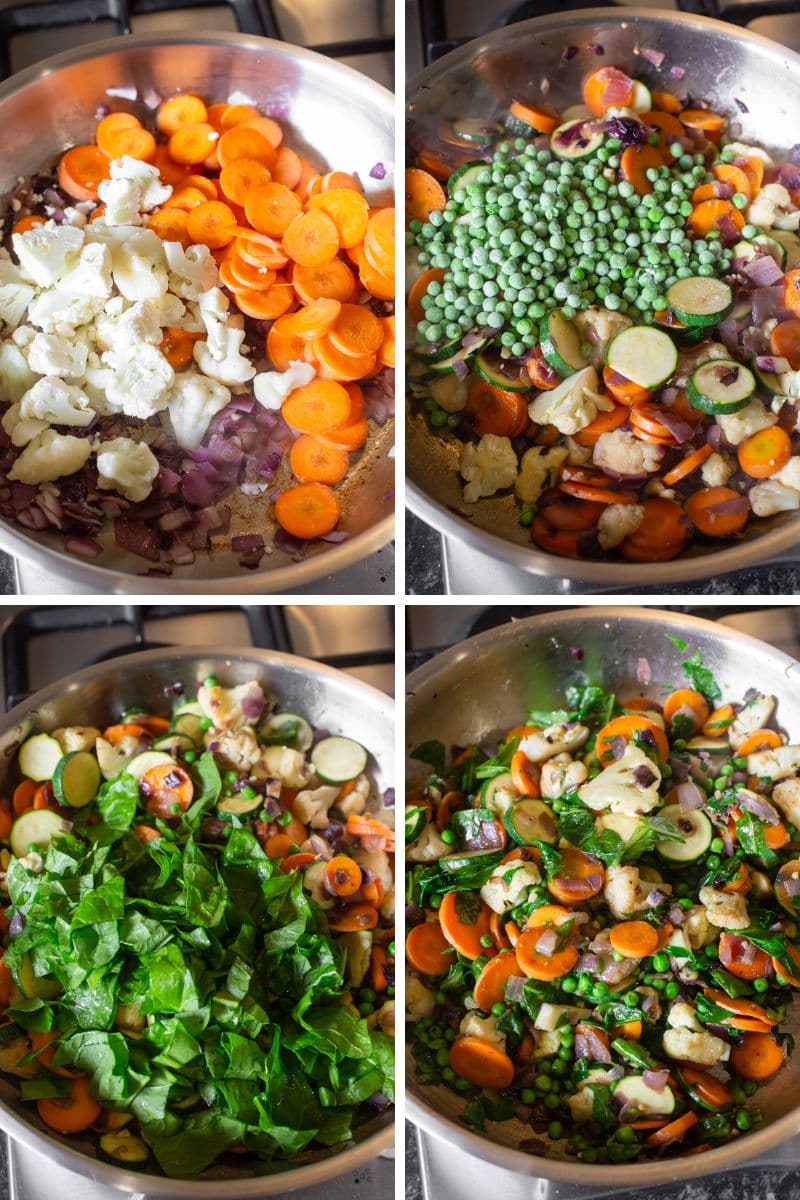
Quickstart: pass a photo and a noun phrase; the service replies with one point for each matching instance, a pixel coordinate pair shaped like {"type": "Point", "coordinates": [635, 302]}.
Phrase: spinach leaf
{"type": "Point", "coordinates": [751, 834]}
{"type": "Point", "coordinates": [490, 768]}
{"type": "Point", "coordinates": [117, 801]}
{"type": "Point", "coordinates": [432, 753]}
{"type": "Point", "coordinates": [698, 675]}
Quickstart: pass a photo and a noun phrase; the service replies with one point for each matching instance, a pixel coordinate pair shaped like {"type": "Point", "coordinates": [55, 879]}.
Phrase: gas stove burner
{"type": "Point", "coordinates": [540, 8]}
{"type": "Point", "coordinates": [121, 651]}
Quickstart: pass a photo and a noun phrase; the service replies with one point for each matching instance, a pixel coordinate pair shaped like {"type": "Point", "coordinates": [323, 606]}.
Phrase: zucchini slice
{"type": "Point", "coordinates": [466, 174]}
{"type": "Point", "coordinates": [286, 729]}
{"type": "Point", "coordinates": [644, 355]}
{"type": "Point", "coordinates": [697, 830]}
{"type": "Point", "coordinates": [498, 794]}
{"type": "Point", "coordinates": [76, 779]}
{"type": "Point", "coordinates": [561, 343]}
{"type": "Point", "coordinates": [39, 756]}
{"type": "Point", "coordinates": [721, 386]}
{"type": "Point", "coordinates": [34, 828]}
{"type": "Point", "coordinates": [415, 821]}
{"type": "Point", "coordinates": [239, 805]}
{"type": "Point", "coordinates": [700, 300]}
{"type": "Point", "coordinates": [494, 370]}
{"type": "Point", "coordinates": [529, 821]}
{"type": "Point", "coordinates": [468, 858]}
{"type": "Point", "coordinates": [576, 139]}
{"type": "Point", "coordinates": [36, 987]}
{"type": "Point", "coordinates": [475, 131]}
{"type": "Point", "coordinates": [432, 355]}
{"type": "Point", "coordinates": [188, 724]}
{"type": "Point", "coordinates": [338, 759]}
{"type": "Point", "coordinates": [123, 1146]}
{"type": "Point", "coordinates": [446, 366]}
{"type": "Point", "coordinates": [174, 744]}
{"type": "Point", "coordinates": [791, 246]}
{"type": "Point", "coordinates": [147, 759]}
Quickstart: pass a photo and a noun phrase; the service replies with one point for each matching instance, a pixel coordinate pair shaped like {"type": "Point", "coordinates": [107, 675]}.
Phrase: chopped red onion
{"type": "Point", "coordinates": [643, 673]}
{"type": "Point", "coordinates": [136, 538]}
{"type": "Point", "coordinates": [727, 229]}
{"type": "Point", "coordinates": [677, 72]}
{"type": "Point", "coordinates": [758, 806]}
{"type": "Point", "coordinates": [763, 271]}
{"type": "Point", "coordinates": [741, 105]}
{"type": "Point", "coordinates": [569, 52]}
{"type": "Point", "coordinates": [547, 942]}
{"type": "Point", "coordinates": [767, 302]}
{"type": "Point", "coordinates": [589, 1044]}
{"type": "Point", "coordinates": [378, 171]}
{"type": "Point", "coordinates": [85, 547]}
{"type": "Point", "coordinates": [656, 57]}
{"type": "Point", "coordinates": [657, 1080]}
{"type": "Point", "coordinates": [596, 48]}
{"type": "Point", "coordinates": [772, 364]}
{"type": "Point", "coordinates": [690, 797]}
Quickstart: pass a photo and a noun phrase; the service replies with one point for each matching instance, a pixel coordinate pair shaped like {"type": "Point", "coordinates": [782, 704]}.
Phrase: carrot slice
{"type": "Point", "coordinates": [237, 114]}
{"type": "Point", "coordinates": [765, 452]}
{"type": "Point", "coordinates": [784, 341]}
{"type": "Point", "coordinates": [753, 168]}
{"type": "Point", "coordinates": [295, 862]}
{"type": "Point", "coordinates": [349, 437]}
{"type": "Point", "coordinates": [705, 217]}
{"type": "Point", "coordinates": [284, 346]}
{"type": "Point", "coordinates": [634, 939]}
{"type": "Point", "coordinates": [327, 281]}
{"type": "Point", "coordinates": [537, 965]}
{"type": "Point", "coordinates": [268, 129]}
{"type": "Point", "coordinates": [214, 115]}
{"type": "Point", "coordinates": [757, 1057]}
{"type": "Point", "coordinates": [212, 224]}
{"type": "Point", "coordinates": [308, 510]}
{"type": "Point", "coordinates": [315, 320]}
{"type": "Point", "coordinates": [627, 727]}
{"type": "Point", "coordinates": [674, 1131]}
{"type": "Point", "coordinates": [464, 933]}
{"type": "Point", "coordinates": [420, 288]}
{"type": "Point", "coordinates": [271, 209]}
{"type": "Point", "coordinates": [32, 221]}
{"type": "Point", "coordinates": [315, 461]}
{"type": "Point", "coordinates": [428, 950]}
{"type": "Point", "coordinates": [539, 118]}
{"type": "Point", "coordinates": [738, 179]}
{"type": "Point", "coordinates": [703, 119]}
{"type": "Point", "coordinates": [635, 162]}
{"type": "Point", "coordinates": [493, 410]}
{"type": "Point", "coordinates": [146, 834]}
{"type": "Point", "coordinates": [490, 986]}
{"type": "Point", "coordinates": [287, 167]}
{"type": "Point", "coordinates": [623, 390]}
{"type": "Point", "coordinates": [344, 368]}
{"type": "Point", "coordinates": [709, 1089]}
{"type": "Point", "coordinates": [349, 212]}
{"type": "Point", "coordinates": [356, 331]}
{"type": "Point", "coordinates": [169, 171]}
{"type": "Point", "coordinates": [379, 241]}
{"type": "Point", "coordinates": [548, 914]}
{"type": "Point", "coordinates": [316, 407]}
{"type": "Point", "coordinates": [353, 918]}
{"type": "Point", "coordinates": [481, 1062]}
{"type": "Point", "coordinates": [687, 698]}
{"type": "Point", "coordinates": [193, 143]}
{"type": "Point", "coordinates": [701, 508]}
{"type": "Point", "coordinates": [265, 305]}
{"type": "Point", "coordinates": [578, 878]}
{"type": "Point", "coordinates": [791, 291]}
{"type": "Point", "coordinates": [186, 198]}
{"type": "Point", "coordinates": [607, 88]}
{"type": "Point", "coordinates": [72, 1113]}
{"type": "Point", "coordinates": [343, 875]}
{"type": "Point", "coordinates": [523, 775]}
{"type": "Point", "coordinates": [424, 195]}
{"type": "Point", "coordinates": [604, 422]}
{"type": "Point", "coordinates": [572, 515]}
{"type": "Point", "coordinates": [245, 142]}
{"type": "Point", "coordinates": [133, 141]}
{"type": "Point", "coordinates": [170, 224]}
{"type": "Point", "coordinates": [110, 125]}
{"type": "Point", "coordinates": [661, 535]}
{"type": "Point", "coordinates": [81, 171]}
{"type": "Point", "coordinates": [339, 179]}
{"type": "Point", "coordinates": [23, 796]}
{"type": "Point", "coordinates": [115, 733]}
{"type": "Point", "coordinates": [781, 971]}
{"type": "Point", "coordinates": [260, 250]}
{"type": "Point", "coordinates": [311, 239]}
{"type": "Point", "coordinates": [240, 177]}
{"type": "Point", "coordinates": [719, 721]}
{"type": "Point", "coordinates": [666, 102]}
{"type": "Point", "coordinates": [386, 353]}
{"type": "Point", "coordinates": [243, 274]}
{"type": "Point", "coordinates": [687, 465]}
{"type": "Point", "coordinates": [378, 284]}
{"type": "Point", "coordinates": [600, 495]}
{"type": "Point", "coordinates": [177, 346]}
{"type": "Point", "coordinates": [183, 109]}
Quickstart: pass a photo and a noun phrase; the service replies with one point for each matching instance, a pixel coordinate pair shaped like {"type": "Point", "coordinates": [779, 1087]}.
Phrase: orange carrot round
{"type": "Point", "coordinates": [705, 216]}
{"type": "Point", "coordinates": [423, 195]}
{"type": "Point", "coordinates": [701, 506]}
{"type": "Point", "coordinates": [349, 212]}
{"type": "Point", "coordinates": [635, 162]}
{"type": "Point", "coordinates": [108, 127]}
{"type": "Point", "coordinates": [604, 422]}
{"type": "Point", "coordinates": [428, 950]}
{"type": "Point", "coordinates": [607, 88]}
{"type": "Point", "coordinates": [244, 142]}
{"type": "Point", "coordinates": [133, 141]}
{"type": "Point", "coordinates": [265, 305]}
{"type": "Point", "coordinates": [211, 224]}
{"type": "Point", "coordinates": [168, 790]}
{"type": "Point", "coordinates": [627, 726]}
{"type": "Point", "coordinates": [539, 118]}
{"type": "Point", "coordinates": [481, 1062]}
{"type": "Point", "coordinates": [240, 177]}
{"type": "Point", "coordinates": [757, 1057]}
{"type": "Point", "coordinates": [177, 346]}
{"type": "Point", "coordinates": [493, 410]}
{"type": "Point", "coordinates": [761, 739]}
{"type": "Point", "coordinates": [317, 407]}
{"type": "Point", "coordinates": [464, 935]}
{"type": "Point", "coordinates": [192, 144]}
{"type": "Point", "coordinates": [535, 964]}
{"type": "Point", "coordinates": [765, 452]}
{"type": "Point", "coordinates": [331, 281]}
{"type": "Point", "coordinates": [311, 239]}
{"type": "Point", "coordinates": [315, 461]}
{"type": "Point", "coordinates": [271, 208]}
{"type": "Point", "coordinates": [183, 109]}
{"type": "Point", "coordinates": [673, 1131]}
{"type": "Point", "coordinates": [490, 986]}
{"type": "Point", "coordinates": [170, 224]}
{"type": "Point", "coordinates": [578, 878]}
{"type": "Point", "coordinates": [687, 465]}
{"type": "Point", "coordinates": [687, 698]}
{"type": "Point", "coordinates": [333, 364]}
{"type": "Point", "coordinates": [287, 168]}
{"type": "Point", "coordinates": [307, 511]}
{"type": "Point", "coordinates": [634, 939]}
{"type": "Point", "coordinates": [342, 875]}
{"type": "Point", "coordinates": [81, 171]}
{"type": "Point", "coordinates": [72, 1113]}
{"type": "Point", "coordinates": [353, 918]}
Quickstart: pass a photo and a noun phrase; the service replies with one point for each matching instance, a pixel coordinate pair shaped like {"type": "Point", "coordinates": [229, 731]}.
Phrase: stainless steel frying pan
{"type": "Point", "coordinates": [480, 687]}
{"type": "Point", "coordinates": [341, 118]}
{"type": "Point", "coordinates": [331, 700]}
{"type": "Point", "coordinates": [722, 62]}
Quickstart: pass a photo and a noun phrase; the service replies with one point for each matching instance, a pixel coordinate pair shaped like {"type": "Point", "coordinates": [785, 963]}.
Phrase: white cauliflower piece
{"type": "Point", "coordinates": [616, 522]}
{"type": "Point", "coordinates": [139, 323]}
{"type": "Point", "coordinates": [314, 884]}
{"type": "Point", "coordinates": [789, 474]}
{"type": "Point", "coordinates": [740, 150]}
{"type": "Point", "coordinates": [385, 1017]}
{"type": "Point", "coordinates": [629, 785]}
{"type": "Point", "coordinates": [578, 455]}
{"type": "Point", "coordinates": [114, 759]}
{"type": "Point", "coordinates": [420, 1001]}
{"type": "Point", "coordinates": [141, 380]}
{"type": "Point", "coordinates": [697, 927]}
{"type": "Point", "coordinates": [680, 940]}
{"type": "Point", "coordinates": [546, 1042]}
{"type": "Point", "coordinates": [191, 271]}
{"type": "Point", "coordinates": [91, 275]}
{"type": "Point", "coordinates": [779, 763]}
{"type": "Point", "coordinates": [152, 192]}
{"type": "Point", "coordinates": [483, 1027]}
{"type": "Point", "coordinates": [537, 469]}
{"type": "Point", "coordinates": [772, 205]}
{"type": "Point", "coordinates": [55, 311]}
{"type": "Point", "coordinates": [597, 326]}
{"type": "Point", "coordinates": [230, 708]}
{"type": "Point", "coordinates": [356, 799]}
{"type": "Point", "coordinates": [311, 805]}
{"type": "Point", "coordinates": [127, 467]}
{"type": "Point", "coordinates": [47, 252]}
{"type": "Point", "coordinates": [449, 392]}
{"type": "Point", "coordinates": [740, 425]}
{"type": "Point", "coordinates": [561, 775]}
{"type": "Point", "coordinates": [191, 404]}
{"type": "Point", "coordinates": [52, 355]}
{"type": "Point", "coordinates": [487, 467]}
{"type": "Point", "coordinates": [771, 497]}
{"type": "Point", "coordinates": [573, 404]}
{"type": "Point", "coordinates": [138, 265]}
{"type": "Point", "coordinates": [556, 739]}
{"type": "Point", "coordinates": [271, 388]}
{"type": "Point", "coordinates": [753, 716]}
{"type": "Point", "coordinates": [16, 294]}
{"type": "Point", "coordinates": [723, 909]}
{"type": "Point", "coordinates": [625, 891]}
{"type": "Point", "coordinates": [716, 470]}
{"type": "Point", "coordinates": [428, 847]}
{"type": "Point", "coordinates": [219, 356]}
{"type": "Point", "coordinates": [16, 377]}
{"type": "Point", "coordinates": [287, 765]}
{"type": "Point", "coordinates": [121, 198]}
{"type": "Point", "coordinates": [76, 737]}
{"type": "Point", "coordinates": [21, 429]}
{"type": "Point", "coordinates": [623, 453]}
{"type": "Point", "coordinates": [688, 1041]}
{"type": "Point", "coordinates": [50, 456]}
{"type": "Point", "coordinates": [509, 885]}
{"type": "Point", "coordinates": [56, 402]}
{"type": "Point", "coordinates": [786, 795]}
{"type": "Point", "coordinates": [238, 748]}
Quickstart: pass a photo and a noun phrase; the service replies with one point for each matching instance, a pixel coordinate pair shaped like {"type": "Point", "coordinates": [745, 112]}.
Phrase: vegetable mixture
{"type": "Point", "coordinates": [606, 303]}
{"type": "Point", "coordinates": [198, 955]}
{"type": "Point", "coordinates": [185, 311]}
{"type": "Point", "coordinates": [602, 919]}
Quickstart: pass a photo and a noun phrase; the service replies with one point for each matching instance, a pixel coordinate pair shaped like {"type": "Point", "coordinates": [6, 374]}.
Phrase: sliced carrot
{"type": "Point", "coordinates": [317, 407]}
{"type": "Point", "coordinates": [315, 461]}
{"type": "Point", "coordinates": [738, 179]}
{"type": "Point", "coordinates": [776, 836]}
{"type": "Point", "coordinates": [490, 986]}
{"type": "Point", "coordinates": [23, 796]}
{"type": "Point", "coordinates": [674, 1131]}
{"type": "Point", "coordinates": [72, 1113]}
{"type": "Point", "coordinates": [177, 346]}
{"type": "Point", "coordinates": [753, 167]}
{"type": "Point", "coordinates": [709, 1089]}
{"type": "Point", "coordinates": [271, 209]}
{"type": "Point", "coordinates": [311, 239]}
{"type": "Point", "coordinates": [661, 535]}
{"type": "Point", "coordinates": [424, 195]}
{"type": "Point", "coordinates": [6, 823]}
{"type": "Point", "coordinates": [146, 834]}
{"type": "Point", "coordinates": [211, 224]}
{"type": "Point", "coordinates": [115, 733]}
{"type": "Point", "coordinates": [747, 1025]}
{"type": "Point", "coordinates": [286, 169]}
{"type": "Point", "coordinates": [578, 878]}
{"type": "Point", "coordinates": [245, 142]}
{"type": "Point", "coordinates": [739, 1005]}
{"type": "Point", "coordinates": [537, 965]}
{"type": "Point", "coordinates": [169, 171]}
{"type": "Point", "coordinates": [339, 179]}
{"type": "Point", "coordinates": [308, 510]}
{"type": "Point", "coordinates": [379, 241]}
{"type": "Point", "coordinates": [493, 410]}
{"type": "Point", "coordinates": [635, 162]}
{"type": "Point", "coordinates": [687, 698]}
{"type": "Point", "coordinates": [687, 465]}
{"type": "Point", "coordinates": [791, 291]}
{"type": "Point", "coordinates": [260, 250]}
{"type": "Point", "coordinates": [183, 109]}
{"type": "Point", "coordinates": [741, 882]}
{"type": "Point", "coordinates": [627, 727]}
{"type": "Point", "coordinates": [349, 212]}
{"type": "Point", "coordinates": [548, 914]}
{"type": "Point", "coordinates": [240, 177]}
{"type": "Point", "coordinates": [342, 875]}
{"type": "Point", "coordinates": [32, 221]}
{"type": "Point", "coordinates": [386, 352]}
{"type": "Point", "coordinates": [214, 115]}
{"type": "Point", "coordinates": [757, 1057]}
{"type": "Point", "coordinates": [109, 126]}
{"type": "Point", "coordinates": [781, 970]}
{"type": "Point", "coordinates": [296, 862]}
{"type": "Point", "coordinates": [428, 950]}
{"type": "Point", "coordinates": [705, 216]}
{"type": "Point", "coordinates": [720, 720]}
{"type": "Point", "coordinates": [268, 129]}
{"type": "Point", "coordinates": [703, 119]}
{"type": "Point", "coordinates": [349, 437]}
{"type": "Point", "coordinates": [315, 320]}
{"type": "Point", "coordinates": [81, 171]}
{"type": "Point", "coordinates": [353, 918]}
{"type": "Point", "coordinates": [237, 114]}
{"type": "Point", "coordinates": [265, 305]}
{"type": "Point", "coordinates": [762, 739]}
{"type": "Point", "coordinates": [185, 198]}
{"type": "Point", "coordinates": [333, 364]}
{"type": "Point", "coordinates": [607, 88]}
{"type": "Point", "coordinates": [667, 102]}
{"type": "Point", "coordinates": [170, 224]}
{"type": "Point", "coordinates": [192, 144]}
{"type": "Point", "coordinates": [356, 331]}
{"type": "Point", "coordinates": [765, 452]}
{"type": "Point", "coordinates": [420, 288]}
{"type": "Point", "coordinates": [331, 281]}
{"type": "Point", "coordinates": [563, 542]}
{"type": "Point", "coordinates": [604, 422]}
{"type": "Point", "coordinates": [701, 510]}
{"type": "Point", "coordinates": [245, 275]}
{"type": "Point", "coordinates": [380, 974]}
{"type": "Point", "coordinates": [539, 118]}
{"type": "Point", "coordinates": [361, 826]}
{"type": "Point", "coordinates": [284, 346]}
{"type": "Point", "coordinates": [377, 283]}
{"type": "Point", "coordinates": [523, 775]}
{"type": "Point", "coordinates": [634, 939]}
{"type": "Point", "coordinates": [601, 495]}
{"type": "Point", "coordinates": [133, 141]}
{"type": "Point", "coordinates": [784, 341]}
{"type": "Point", "coordinates": [464, 935]}
{"type": "Point", "coordinates": [277, 845]}
{"type": "Point", "coordinates": [623, 390]}
{"type": "Point", "coordinates": [168, 790]}
{"type": "Point", "coordinates": [481, 1062]}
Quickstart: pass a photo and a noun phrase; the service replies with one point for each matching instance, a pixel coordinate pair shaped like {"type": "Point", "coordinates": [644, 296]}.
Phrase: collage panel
{"type": "Point", "coordinates": [197, 901]}
{"type": "Point", "coordinates": [602, 244]}
{"type": "Point", "coordinates": [196, 298]}
{"type": "Point", "coordinates": [600, 879]}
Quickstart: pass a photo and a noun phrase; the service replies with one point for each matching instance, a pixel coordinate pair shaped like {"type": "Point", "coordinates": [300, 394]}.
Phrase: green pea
{"type": "Point", "coordinates": [527, 1096]}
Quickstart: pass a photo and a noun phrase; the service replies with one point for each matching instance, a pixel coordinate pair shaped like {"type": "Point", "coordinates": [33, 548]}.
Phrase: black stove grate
{"type": "Point", "coordinates": [267, 626]}
{"type": "Point", "coordinates": [251, 16]}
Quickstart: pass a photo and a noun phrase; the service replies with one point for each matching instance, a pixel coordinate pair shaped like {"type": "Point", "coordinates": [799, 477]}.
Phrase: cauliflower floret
{"type": "Point", "coordinates": [537, 468]}
{"type": "Point", "coordinates": [121, 198]}
{"type": "Point", "coordinates": [141, 380]}
{"type": "Point", "coordinates": [15, 296]}
{"type": "Point", "coordinates": [789, 474]}
{"type": "Point", "coordinates": [449, 392]}
{"type": "Point", "coordinates": [356, 799]}
{"type": "Point", "coordinates": [616, 522]}
{"type": "Point", "coordinates": [152, 192]}
{"type": "Point", "coordinates": [597, 326]}
{"type": "Point", "coordinates": [290, 766]}
{"type": "Point", "coordinates": [577, 455]}
{"type": "Point", "coordinates": [687, 1041]}
{"type": "Point", "coordinates": [740, 425]}
{"type": "Point", "coordinates": [629, 785]}
{"type": "Point", "coordinates": [740, 150]}
{"type": "Point", "coordinates": [51, 355]}
{"type": "Point", "coordinates": [772, 205]}
{"type": "Point", "coordinates": [314, 884]}
{"type": "Point", "coordinates": [114, 759]}
{"type": "Point", "coordinates": [754, 716]}
{"type": "Point", "coordinates": [726, 910]}
{"type": "Point", "coordinates": [500, 799]}
{"type": "Point", "coordinates": [716, 470]}
{"type": "Point", "coordinates": [191, 404]}
{"type": "Point", "coordinates": [358, 948]}
{"type": "Point", "coordinates": [192, 271]}
{"type": "Point", "coordinates": [779, 763]}
{"type": "Point", "coordinates": [127, 467]}
{"type": "Point", "coordinates": [786, 795]}
{"type": "Point", "coordinates": [311, 805]}
{"type": "Point", "coordinates": [624, 454]}
{"type": "Point", "coordinates": [509, 885]}
{"type": "Point", "coordinates": [573, 404]}
{"type": "Point", "coordinates": [546, 1043]}
{"type": "Point", "coordinates": [16, 377]}
{"type": "Point", "coordinates": [483, 1027]}
{"type": "Point", "coordinates": [76, 737]}
{"type": "Point", "coordinates": [385, 1017]}
{"type": "Point", "coordinates": [428, 847]}
{"type": "Point", "coordinates": [229, 708]}
{"type": "Point", "coordinates": [238, 748]}
{"type": "Point", "coordinates": [680, 940]}
{"type": "Point", "coordinates": [91, 275]}
{"type": "Point", "coordinates": [771, 497]}
{"type": "Point", "coordinates": [55, 312]}
{"type": "Point", "coordinates": [561, 775]}
{"type": "Point", "coordinates": [56, 402]}
{"type": "Point", "coordinates": [220, 355]}
{"type": "Point", "coordinates": [420, 1001]}
{"type": "Point", "coordinates": [139, 323]}
{"type": "Point", "coordinates": [47, 252]}
{"type": "Point", "coordinates": [625, 890]}
{"type": "Point", "coordinates": [138, 265]}
{"type": "Point", "coordinates": [271, 388]}
{"type": "Point", "coordinates": [50, 456]}
{"type": "Point", "coordinates": [697, 927]}
{"type": "Point", "coordinates": [487, 467]}
{"type": "Point", "coordinates": [556, 739]}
